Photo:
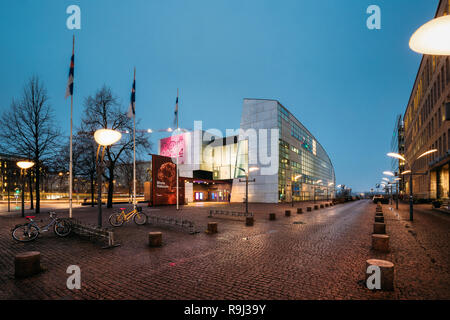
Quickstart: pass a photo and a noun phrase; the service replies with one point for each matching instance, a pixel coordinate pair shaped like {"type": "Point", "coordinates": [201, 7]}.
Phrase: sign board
{"type": "Point", "coordinates": [164, 182]}
{"type": "Point", "coordinates": [169, 147]}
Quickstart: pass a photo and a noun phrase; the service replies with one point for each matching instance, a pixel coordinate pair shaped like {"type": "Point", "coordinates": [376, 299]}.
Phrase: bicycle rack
{"type": "Point", "coordinates": [172, 221]}
{"type": "Point", "coordinates": [93, 233]}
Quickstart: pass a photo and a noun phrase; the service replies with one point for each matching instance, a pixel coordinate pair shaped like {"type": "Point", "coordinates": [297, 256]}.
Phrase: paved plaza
{"type": "Point", "coordinates": [314, 255]}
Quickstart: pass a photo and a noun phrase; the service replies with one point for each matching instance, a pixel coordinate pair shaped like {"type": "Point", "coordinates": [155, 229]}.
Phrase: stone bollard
{"type": "Point", "coordinates": [27, 264]}
{"type": "Point", "coordinates": [308, 208]}
{"type": "Point", "coordinates": [155, 239]}
{"type": "Point", "coordinates": [379, 228]}
{"type": "Point", "coordinates": [380, 242]}
{"type": "Point", "coordinates": [287, 213]}
{"type": "Point", "coordinates": [249, 221]}
{"type": "Point", "coordinates": [322, 206]}
{"type": "Point", "coordinates": [272, 216]}
{"type": "Point", "coordinates": [386, 273]}
{"type": "Point", "coordinates": [299, 210]}
{"type": "Point", "coordinates": [212, 227]}
{"type": "Point", "coordinates": [316, 207]}
{"type": "Point", "coordinates": [379, 219]}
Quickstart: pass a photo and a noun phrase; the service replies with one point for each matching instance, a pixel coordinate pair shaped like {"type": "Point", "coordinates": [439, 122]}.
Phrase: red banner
{"type": "Point", "coordinates": [164, 182]}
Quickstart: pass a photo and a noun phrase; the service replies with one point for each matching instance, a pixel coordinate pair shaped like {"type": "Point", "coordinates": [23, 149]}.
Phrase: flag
{"type": "Point", "coordinates": [69, 89]}
{"type": "Point", "coordinates": [175, 121]}
{"type": "Point", "coordinates": [131, 111]}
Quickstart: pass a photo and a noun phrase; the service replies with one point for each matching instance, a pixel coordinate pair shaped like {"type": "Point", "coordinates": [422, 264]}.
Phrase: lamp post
{"type": "Point", "coordinates": [24, 165]}
{"type": "Point", "coordinates": [246, 183]}
{"type": "Point", "coordinates": [105, 138]}
{"type": "Point", "coordinates": [294, 182]}
{"type": "Point", "coordinates": [411, 173]}
{"type": "Point", "coordinates": [396, 192]}
{"type": "Point", "coordinates": [314, 188]}
{"type": "Point", "coordinates": [329, 185]}
{"type": "Point", "coordinates": [391, 174]}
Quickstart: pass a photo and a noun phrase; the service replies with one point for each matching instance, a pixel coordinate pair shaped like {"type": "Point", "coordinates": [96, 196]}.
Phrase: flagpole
{"type": "Point", "coordinates": [178, 152]}
{"type": "Point", "coordinates": [71, 157]}
{"type": "Point", "coordinates": [134, 149]}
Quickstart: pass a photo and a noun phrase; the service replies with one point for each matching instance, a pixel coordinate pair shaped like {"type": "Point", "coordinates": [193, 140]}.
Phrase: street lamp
{"type": "Point", "coordinates": [411, 173]}
{"type": "Point", "coordinates": [294, 182]}
{"type": "Point", "coordinates": [105, 138]}
{"type": "Point", "coordinates": [329, 185]}
{"type": "Point", "coordinates": [246, 183]}
{"type": "Point", "coordinates": [24, 165]}
{"type": "Point", "coordinates": [314, 188]}
{"type": "Point", "coordinates": [432, 37]}
{"type": "Point", "coordinates": [388, 173]}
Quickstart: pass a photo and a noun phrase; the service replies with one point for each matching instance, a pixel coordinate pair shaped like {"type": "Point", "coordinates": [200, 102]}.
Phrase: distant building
{"type": "Point", "coordinates": [9, 174]}
{"type": "Point", "coordinates": [427, 126]}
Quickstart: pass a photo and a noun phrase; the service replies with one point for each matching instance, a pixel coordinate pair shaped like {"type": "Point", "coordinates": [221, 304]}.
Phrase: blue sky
{"type": "Point", "coordinates": [344, 82]}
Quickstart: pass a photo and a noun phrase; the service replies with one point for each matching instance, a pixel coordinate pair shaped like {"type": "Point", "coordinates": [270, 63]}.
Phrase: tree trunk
{"type": "Point", "coordinates": [38, 180]}
{"type": "Point", "coordinates": [30, 184]}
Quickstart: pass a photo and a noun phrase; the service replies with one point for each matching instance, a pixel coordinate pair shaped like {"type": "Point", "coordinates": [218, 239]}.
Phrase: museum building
{"type": "Point", "coordinates": [272, 149]}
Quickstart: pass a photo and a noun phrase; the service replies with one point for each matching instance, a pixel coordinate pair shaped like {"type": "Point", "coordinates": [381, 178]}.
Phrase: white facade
{"type": "Point", "coordinates": [261, 116]}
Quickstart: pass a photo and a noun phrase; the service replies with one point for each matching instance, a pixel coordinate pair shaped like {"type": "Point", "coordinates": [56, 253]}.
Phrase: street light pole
{"type": "Point", "coordinates": [411, 165]}
{"type": "Point", "coordinates": [23, 165]}
{"type": "Point", "coordinates": [246, 193]}
{"type": "Point", "coordinates": [411, 198]}
{"type": "Point", "coordinates": [23, 192]}
{"type": "Point", "coordinates": [246, 184]}
{"type": "Point", "coordinates": [396, 196]}
{"type": "Point", "coordinates": [99, 190]}
{"type": "Point", "coordinates": [105, 138]}
{"type": "Point", "coordinates": [292, 188]}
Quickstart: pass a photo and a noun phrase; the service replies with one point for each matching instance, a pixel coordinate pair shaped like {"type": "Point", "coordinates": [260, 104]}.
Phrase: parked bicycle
{"type": "Point", "coordinates": [118, 218]}
{"type": "Point", "coordinates": [30, 230]}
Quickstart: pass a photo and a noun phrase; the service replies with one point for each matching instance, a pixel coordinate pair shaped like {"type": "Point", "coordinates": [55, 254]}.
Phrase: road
{"type": "Point", "coordinates": [314, 255]}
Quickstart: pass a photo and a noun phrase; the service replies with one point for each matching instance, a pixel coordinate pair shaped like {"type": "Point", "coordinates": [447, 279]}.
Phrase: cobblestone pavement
{"type": "Point", "coordinates": [314, 255]}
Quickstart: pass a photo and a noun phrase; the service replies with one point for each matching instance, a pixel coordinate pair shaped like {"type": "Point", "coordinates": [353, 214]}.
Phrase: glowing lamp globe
{"type": "Point", "coordinates": [107, 137]}
{"type": "Point", "coordinates": [25, 164]}
{"type": "Point", "coordinates": [433, 37]}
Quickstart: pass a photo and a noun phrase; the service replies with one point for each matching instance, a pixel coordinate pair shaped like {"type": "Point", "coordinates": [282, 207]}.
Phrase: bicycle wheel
{"type": "Point", "coordinates": [140, 218]}
{"type": "Point", "coordinates": [62, 228]}
{"type": "Point", "coordinates": [25, 233]}
{"type": "Point", "coordinates": [116, 219]}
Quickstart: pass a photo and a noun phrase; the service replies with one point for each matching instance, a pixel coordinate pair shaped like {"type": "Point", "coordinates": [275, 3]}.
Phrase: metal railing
{"type": "Point", "coordinates": [229, 213]}
{"type": "Point", "coordinates": [172, 221]}
{"type": "Point", "coordinates": [93, 233]}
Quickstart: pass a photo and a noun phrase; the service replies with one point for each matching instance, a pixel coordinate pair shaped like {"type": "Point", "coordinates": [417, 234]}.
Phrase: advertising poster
{"type": "Point", "coordinates": [164, 183]}
{"type": "Point", "coordinates": [170, 145]}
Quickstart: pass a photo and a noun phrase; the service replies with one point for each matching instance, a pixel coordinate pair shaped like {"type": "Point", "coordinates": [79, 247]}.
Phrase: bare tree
{"type": "Point", "coordinates": [29, 130]}
{"type": "Point", "coordinates": [103, 110]}
{"type": "Point", "coordinates": [125, 171]}
{"type": "Point", "coordinates": [83, 159]}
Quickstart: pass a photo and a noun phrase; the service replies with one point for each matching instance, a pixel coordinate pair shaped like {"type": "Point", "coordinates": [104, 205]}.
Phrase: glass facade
{"type": "Point", "coordinates": [224, 160]}
{"type": "Point", "coordinates": [305, 170]}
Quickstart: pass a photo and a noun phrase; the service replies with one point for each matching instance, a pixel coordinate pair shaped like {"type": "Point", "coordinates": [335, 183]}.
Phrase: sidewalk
{"type": "Point", "coordinates": [420, 250]}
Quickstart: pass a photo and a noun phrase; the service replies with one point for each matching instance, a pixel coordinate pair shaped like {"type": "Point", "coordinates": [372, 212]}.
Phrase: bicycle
{"type": "Point", "coordinates": [30, 230]}
{"type": "Point", "coordinates": [118, 218]}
